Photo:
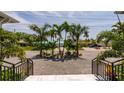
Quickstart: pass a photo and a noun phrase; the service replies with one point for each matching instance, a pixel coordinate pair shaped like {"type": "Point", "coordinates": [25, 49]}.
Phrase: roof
{"type": "Point", "coordinates": [4, 18]}
{"type": "Point", "coordinates": [21, 41]}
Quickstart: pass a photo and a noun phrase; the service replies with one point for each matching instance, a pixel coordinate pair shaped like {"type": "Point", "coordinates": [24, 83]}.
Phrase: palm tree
{"type": "Point", "coordinates": [118, 12]}
{"type": "Point", "coordinates": [118, 27]}
{"type": "Point", "coordinates": [66, 28]}
{"type": "Point", "coordinates": [58, 29]}
{"type": "Point", "coordinates": [76, 32]}
{"type": "Point", "coordinates": [105, 37]}
{"type": "Point", "coordinates": [52, 33]}
{"type": "Point", "coordinates": [116, 38]}
{"type": "Point", "coordinates": [41, 31]}
{"type": "Point", "coordinates": [30, 39]}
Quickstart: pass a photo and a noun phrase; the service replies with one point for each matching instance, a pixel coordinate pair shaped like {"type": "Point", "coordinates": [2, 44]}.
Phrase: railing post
{"type": "Point", "coordinates": [122, 72]}
{"type": "Point", "coordinates": [0, 72]}
{"type": "Point", "coordinates": [92, 67]}
{"type": "Point", "coordinates": [97, 68]}
{"type": "Point", "coordinates": [32, 68]}
{"type": "Point", "coordinates": [27, 67]}
{"type": "Point", "coordinates": [13, 72]}
{"type": "Point", "coordinates": [112, 74]}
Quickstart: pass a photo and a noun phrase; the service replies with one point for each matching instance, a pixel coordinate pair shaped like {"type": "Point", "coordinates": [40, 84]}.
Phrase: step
{"type": "Point", "coordinates": [82, 77]}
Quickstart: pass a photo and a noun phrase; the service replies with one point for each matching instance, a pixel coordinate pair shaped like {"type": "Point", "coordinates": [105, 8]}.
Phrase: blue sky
{"type": "Point", "coordinates": [97, 21]}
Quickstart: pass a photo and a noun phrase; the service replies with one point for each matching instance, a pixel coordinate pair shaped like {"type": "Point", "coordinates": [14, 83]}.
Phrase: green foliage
{"type": "Point", "coordinates": [8, 45]}
{"type": "Point", "coordinates": [106, 37]}
{"type": "Point", "coordinates": [76, 31]}
{"type": "Point", "coordinates": [116, 38]}
{"type": "Point", "coordinates": [118, 28]}
{"type": "Point", "coordinates": [42, 34]}
{"type": "Point", "coordinates": [108, 53]}
{"type": "Point", "coordinates": [47, 45]}
{"type": "Point", "coordinates": [84, 43]}
{"type": "Point", "coordinates": [69, 45]}
{"type": "Point", "coordinates": [118, 45]}
{"type": "Point", "coordinates": [27, 38]}
{"type": "Point", "coordinates": [52, 45]}
{"type": "Point", "coordinates": [8, 75]}
{"type": "Point", "coordinates": [73, 31]}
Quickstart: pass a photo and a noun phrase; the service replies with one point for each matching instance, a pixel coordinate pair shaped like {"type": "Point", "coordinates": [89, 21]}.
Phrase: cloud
{"type": "Point", "coordinates": [20, 27]}
{"type": "Point", "coordinates": [97, 21]}
{"type": "Point", "coordinates": [55, 13]}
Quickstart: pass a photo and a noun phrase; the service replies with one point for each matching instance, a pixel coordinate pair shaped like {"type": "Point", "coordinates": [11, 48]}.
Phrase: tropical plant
{"type": "Point", "coordinates": [66, 28]}
{"type": "Point", "coordinates": [8, 45]}
{"type": "Point", "coordinates": [108, 53]}
{"type": "Point", "coordinates": [76, 32]}
{"type": "Point", "coordinates": [42, 33]}
{"type": "Point", "coordinates": [53, 34]}
{"type": "Point", "coordinates": [58, 29]}
{"type": "Point", "coordinates": [117, 41]}
{"type": "Point", "coordinates": [118, 28]}
{"type": "Point", "coordinates": [105, 37]}
{"type": "Point", "coordinates": [69, 45]}
{"type": "Point", "coordinates": [52, 46]}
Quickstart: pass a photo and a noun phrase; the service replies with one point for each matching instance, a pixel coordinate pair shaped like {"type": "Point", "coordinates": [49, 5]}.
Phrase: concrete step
{"type": "Point", "coordinates": [82, 77]}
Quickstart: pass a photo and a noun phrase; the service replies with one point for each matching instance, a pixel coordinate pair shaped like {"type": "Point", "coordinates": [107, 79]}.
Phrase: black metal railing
{"type": "Point", "coordinates": [109, 71]}
{"type": "Point", "coordinates": [15, 72]}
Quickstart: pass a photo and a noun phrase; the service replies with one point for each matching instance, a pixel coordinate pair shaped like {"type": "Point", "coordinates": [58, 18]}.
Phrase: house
{"type": "Point", "coordinates": [4, 18]}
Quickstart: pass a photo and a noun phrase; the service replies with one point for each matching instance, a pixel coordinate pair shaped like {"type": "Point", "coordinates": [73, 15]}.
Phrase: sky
{"type": "Point", "coordinates": [97, 21]}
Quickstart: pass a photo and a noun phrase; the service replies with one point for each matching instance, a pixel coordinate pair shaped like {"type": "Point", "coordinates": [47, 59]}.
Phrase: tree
{"type": "Point", "coordinates": [118, 28]}
{"type": "Point", "coordinates": [118, 12]}
{"type": "Point", "coordinates": [117, 42]}
{"type": "Point", "coordinates": [52, 46]}
{"type": "Point", "coordinates": [41, 31]}
{"type": "Point", "coordinates": [105, 37]}
{"type": "Point", "coordinates": [58, 29]}
{"type": "Point", "coordinates": [76, 32]}
{"type": "Point", "coordinates": [52, 33]}
{"type": "Point", "coordinates": [69, 45]}
{"type": "Point", "coordinates": [66, 28]}
{"type": "Point", "coordinates": [8, 45]}
{"type": "Point", "coordinates": [30, 39]}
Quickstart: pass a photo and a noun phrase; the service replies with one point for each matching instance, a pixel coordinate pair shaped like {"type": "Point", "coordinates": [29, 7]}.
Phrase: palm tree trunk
{"type": "Point", "coordinates": [64, 44]}
{"type": "Point", "coordinates": [59, 48]}
{"type": "Point", "coordinates": [52, 39]}
{"type": "Point", "coordinates": [118, 18]}
{"type": "Point", "coordinates": [46, 48]}
{"type": "Point", "coordinates": [41, 51]}
{"type": "Point", "coordinates": [77, 47]}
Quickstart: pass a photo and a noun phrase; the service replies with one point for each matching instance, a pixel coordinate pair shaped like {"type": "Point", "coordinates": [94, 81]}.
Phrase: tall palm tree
{"type": "Point", "coordinates": [118, 12]}
{"type": "Point", "coordinates": [76, 32]}
{"type": "Point", "coordinates": [58, 29]}
{"type": "Point", "coordinates": [116, 38]}
{"type": "Point", "coordinates": [41, 31]}
{"type": "Point", "coordinates": [66, 28]}
{"type": "Point", "coordinates": [105, 37]}
{"type": "Point", "coordinates": [118, 27]}
{"type": "Point", "coordinates": [52, 33]}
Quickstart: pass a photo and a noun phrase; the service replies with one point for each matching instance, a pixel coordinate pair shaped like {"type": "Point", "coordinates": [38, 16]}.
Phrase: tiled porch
{"type": "Point", "coordinates": [82, 77]}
